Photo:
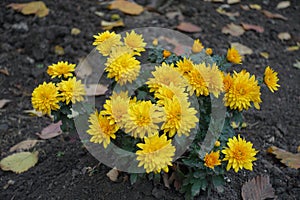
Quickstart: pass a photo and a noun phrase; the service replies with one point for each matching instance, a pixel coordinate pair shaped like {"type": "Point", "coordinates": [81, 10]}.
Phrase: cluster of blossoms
{"type": "Point", "coordinates": [64, 89]}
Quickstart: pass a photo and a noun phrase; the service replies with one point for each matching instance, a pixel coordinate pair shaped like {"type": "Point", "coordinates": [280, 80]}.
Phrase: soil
{"type": "Point", "coordinates": [62, 172]}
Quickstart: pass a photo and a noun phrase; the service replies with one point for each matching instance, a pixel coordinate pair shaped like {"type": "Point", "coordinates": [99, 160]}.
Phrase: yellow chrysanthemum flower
{"type": "Point", "coordinates": [105, 41]}
{"type": "Point", "coordinates": [124, 68]}
{"type": "Point", "coordinates": [135, 41]}
{"type": "Point", "coordinates": [196, 81]}
{"type": "Point", "coordinates": [180, 117]}
{"type": "Point", "coordinates": [166, 53]}
{"type": "Point", "coordinates": [165, 75]}
{"type": "Point", "coordinates": [217, 143]}
{"type": "Point", "coordinates": [209, 51]}
{"type": "Point", "coordinates": [185, 66]}
{"type": "Point", "coordinates": [212, 159]}
{"type": "Point", "coordinates": [71, 90]}
{"type": "Point", "coordinates": [197, 46]}
{"type": "Point", "coordinates": [143, 118]}
{"type": "Point", "coordinates": [168, 92]}
{"type": "Point", "coordinates": [61, 69]}
{"type": "Point", "coordinates": [227, 81]}
{"type": "Point", "coordinates": [156, 153]}
{"type": "Point", "coordinates": [45, 98]}
{"type": "Point", "coordinates": [271, 79]}
{"type": "Point", "coordinates": [116, 108]}
{"type": "Point", "coordinates": [239, 154]}
{"type": "Point", "coordinates": [243, 91]}
{"type": "Point", "coordinates": [213, 79]}
{"type": "Point", "coordinates": [234, 56]}
{"type": "Point", "coordinates": [100, 129]}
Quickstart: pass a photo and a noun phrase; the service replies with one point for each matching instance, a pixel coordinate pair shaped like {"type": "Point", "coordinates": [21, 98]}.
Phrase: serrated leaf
{"type": "Point", "coordinates": [196, 187]}
{"type": "Point", "coordinates": [19, 162]}
{"type": "Point", "coordinates": [127, 7]}
{"type": "Point", "coordinates": [291, 160]}
{"type": "Point", "coordinates": [24, 145]}
{"type": "Point", "coordinates": [258, 188]}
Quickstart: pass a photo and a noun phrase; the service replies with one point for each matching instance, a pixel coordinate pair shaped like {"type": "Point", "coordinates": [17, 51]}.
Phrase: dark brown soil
{"type": "Point", "coordinates": [27, 48]}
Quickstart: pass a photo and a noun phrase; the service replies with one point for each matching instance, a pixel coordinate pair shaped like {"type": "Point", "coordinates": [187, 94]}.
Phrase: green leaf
{"type": "Point", "coordinates": [19, 162]}
{"type": "Point", "coordinates": [195, 189]}
{"type": "Point", "coordinates": [217, 181]}
{"type": "Point", "coordinates": [133, 178]}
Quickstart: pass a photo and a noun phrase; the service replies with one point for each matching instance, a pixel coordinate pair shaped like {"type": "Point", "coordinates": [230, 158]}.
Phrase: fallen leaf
{"type": "Point", "coordinates": [34, 113]}
{"type": "Point", "coordinates": [233, 29]}
{"type": "Point", "coordinates": [95, 89]}
{"type": "Point", "coordinates": [35, 7]}
{"type": "Point", "coordinates": [293, 48]}
{"type": "Point", "coordinates": [255, 6]}
{"type": "Point", "coordinates": [19, 162]}
{"type": "Point", "coordinates": [273, 15]}
{"type": "Point", "coordinates": [242, 49]}
{"type": "Point", "coordinates": [100, 14]}
{"type": "Point", "coordinates": [233, 1]}
{"type": "Point", "coordinates": [3, 102]}
{"type": "Point", "coordinates": [291, 160]}
{"type": "Point", "coordinates": [24, 145]}
{"type": "Point", "coordinates": [264, 54]}
{"type": "Point", "coordinates": [188, 27]}
{"type": "Point", "coordinates": [113, 174]}
{"type": "Point", "coordinates": [75, 31]}
{"type": "Point", "coordinates": [297, 64]}
{"type": "Point", "coordinates": [50, 131]}
{"type": "Point", "coordinates": [283, 4]}
{"type": "Point", "coordinates": [258, 188]}
{"type": "Point", "coordinates": [59, 50]}
{"type": "Point", "coordinates": [127, 7]}
{"type": "Point", "coordinates": [256, 28]}
{"type": "Point", "coordinates": [221, 11]}
{"type": "Point", "coordinates": [245, 7]}
{"type": "Point", "coordinates": [284, 36]}
{"type": "Point", "coordinates": [110, 25]}
{"type": "Point", "coordinates": [4, 71]}
{"type": "Point", "coordinates": [174, 14]}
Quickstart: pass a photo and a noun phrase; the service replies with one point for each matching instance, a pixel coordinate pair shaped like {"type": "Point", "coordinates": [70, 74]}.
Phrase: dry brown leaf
{"type": "Point", "coordinates": [95, 89]}
{"type": "Point", "coordinates": [255, 6]}
{"type": "Point", "coordinates": [233, 1]}
{"type": "Point", "coordinates": [283, 4]}
{"type": "Point", "coordinates": [3, 102]}
{"type": "Point", "coordinates": [245, 7]}
{"type": "Point", "coordinates": [113, 174]}
{"type": "Point", "coordinates": [284, 36]}
{"type": "Point", "coordinates": [127, 7]}
{"type": "Point", "coordinates": [291, 160]}
{"type": "Point", "coordinates": [242, 49]}
{"type": "Point", "coordinates": [221, 11]}
{"type": "Point", "coordinates": [233, 29]}
{"type": "Point", "coordinates": [59, 50]}
{"type": "Point", "coordinates": [50, 131]}
{"type": "Point", "coordinates": [24, 145]}
{"type": "Point", "coordinates": [264, 54]}
{"type": "Point", "coordinates": [273, 15]}
{"type": "Point", "coordinates": [188, 27]}
{"type": "Point", "coordinates": [258, 188]}
{"type": "Point", "coordinates": [253, 27]}
{"type": "Point", "coordinates": [35, 7]}
{"type": "Point", "coordinates": [110, 25]}
{"type": "Point", "coordinates": [4, 71]}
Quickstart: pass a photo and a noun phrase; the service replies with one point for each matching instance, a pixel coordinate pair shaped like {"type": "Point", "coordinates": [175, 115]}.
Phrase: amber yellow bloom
{"type": "Point", "coordinates": [180, 117]}
{"type": "Point", "coordinates": [217, 143]}
{"type": "Point", "coordinates": [165, 75]}
{"type": "Point", "coordinates": [168, 92]}
{"type": "Point", "coordinates": [227, 81]}
{"type": "Point", "coordinates": [143, 118]}
{"type": "Point", "coordinates": [45, 98]}
{"type": "Point", "coordinates": [116, 108]}
{"type": "Point", "coordinates": [124, 68]}
{"type": "Point", "coordinates": [105, 41]}
{"type": "Point", "coordinates": [271, 79]}
{"type": "Point", "coordinates": [234, 56]}
{"type": "Point", "coordinates": [212, 159]}
{"type": "Point", "coordinates": [71, 90]}
{"type": "Point", "coordinates": [156, 153]}
{"type": "Point", "coordinates": [166, 53]}
{"type": "Point", "coordinates": [243, 91]}
{"type": "Point", "coordinates": [209, 51]}
{"type": "Point", "coordinates": [185, 66]}
{"type": "Point", "coordinates": [61, 69]}
{"type": "Point", "coordinates": [135, 41]}
{"type": "Point", "coordinates": [239, 154]}
{"type": "Point", "coordinates": [197, 46]}
{"type": "Point", "coordinates": [100, 129]}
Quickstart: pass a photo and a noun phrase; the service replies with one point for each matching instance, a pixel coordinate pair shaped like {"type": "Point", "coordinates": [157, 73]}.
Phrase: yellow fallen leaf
{"type": "Point", "coordinates": [75, 31]}
{"type": "Point", "coordinates": [19, 162]}
{"type": "Point", "coordinates": [24, 145]}
{"type": "Point", "coordinates": [110, 25]}
{"type": "Point", "coordinates": [291, 160]}
{"type": "Point", "coordinates": [264, 54]}
{"type": "Point", "coordinates": [35, 7]}
{"type": "Point", "coordinates": [233, 1]}
{"type": "Point", "coordinates": [127, 7]}
{"type": "Point", "coordinates": [293, 48]}
{"type": "Point", "coordinates": [255, 6]}
{"type": "Point", "coordinates": [59, 50]}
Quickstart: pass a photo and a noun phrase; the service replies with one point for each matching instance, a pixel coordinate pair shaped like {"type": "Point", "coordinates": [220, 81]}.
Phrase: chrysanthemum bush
{"type": "Point", "coordinates": [175, 103]}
